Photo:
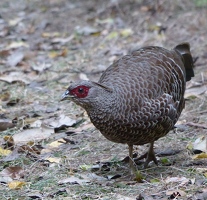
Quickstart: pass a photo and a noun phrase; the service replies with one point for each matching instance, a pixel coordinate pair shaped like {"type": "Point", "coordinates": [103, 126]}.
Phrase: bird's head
{"type": "Point", "coordinates": [85, 93]}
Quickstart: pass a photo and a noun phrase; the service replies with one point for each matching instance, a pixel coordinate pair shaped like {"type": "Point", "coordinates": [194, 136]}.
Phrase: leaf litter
{"type": "Point", "coordinates": [45, 48]}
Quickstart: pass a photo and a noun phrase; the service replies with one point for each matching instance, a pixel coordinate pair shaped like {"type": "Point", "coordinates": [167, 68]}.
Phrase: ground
{"type": "Point", "coordinates": [49, 149]}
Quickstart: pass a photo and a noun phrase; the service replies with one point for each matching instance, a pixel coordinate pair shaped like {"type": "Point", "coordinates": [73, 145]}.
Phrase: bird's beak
{"type": "Point", "coordinates": [66, 96]}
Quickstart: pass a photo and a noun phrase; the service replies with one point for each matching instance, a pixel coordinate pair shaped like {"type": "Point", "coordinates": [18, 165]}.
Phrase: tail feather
{"type": "Point", "coordinates": [184, 50]}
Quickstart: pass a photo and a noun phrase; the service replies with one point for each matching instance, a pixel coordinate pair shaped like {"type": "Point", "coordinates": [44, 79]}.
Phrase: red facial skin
{"type": "Point", "coordinates": [80, 91]}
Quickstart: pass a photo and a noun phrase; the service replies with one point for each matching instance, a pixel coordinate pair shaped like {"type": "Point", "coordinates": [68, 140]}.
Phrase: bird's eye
{"type": "Point", "coordinates": [80, 90]}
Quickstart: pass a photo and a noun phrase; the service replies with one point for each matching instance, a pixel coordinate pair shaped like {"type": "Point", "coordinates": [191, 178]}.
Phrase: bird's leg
{"type": "Point", "coordinates": [131, 162]}
{"type": "Point", "coordinates": [135, 174]}
{"type": "Point", "coordinates": [150, 156]}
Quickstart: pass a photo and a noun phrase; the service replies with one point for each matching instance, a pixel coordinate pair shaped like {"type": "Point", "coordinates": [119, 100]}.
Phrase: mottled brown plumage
{"type": "Point", "coordinates": [139, 98]}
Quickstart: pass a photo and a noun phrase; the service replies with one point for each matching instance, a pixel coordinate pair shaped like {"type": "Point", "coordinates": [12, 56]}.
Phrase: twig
{"type": "Point", "coordinates": [202, 112]}
{"type": "Point", "coordinates": [196, 125]}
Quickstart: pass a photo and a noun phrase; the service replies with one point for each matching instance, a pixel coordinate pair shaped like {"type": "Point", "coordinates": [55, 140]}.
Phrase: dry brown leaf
{"type": "Point", "coordinates": [9, 140]}
{"type": "Point", "coordinates": [6, 125]}
{"type": "Point", "coordinates": [32, 149]}
{"type": "Point", "coordinates": [4, 52]}
{"type": "Point", "coordinates": [5, 96]}
{"type": "Point", "coordinates": [13, 172]}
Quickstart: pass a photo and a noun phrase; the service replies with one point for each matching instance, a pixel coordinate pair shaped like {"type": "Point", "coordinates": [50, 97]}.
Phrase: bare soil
{"type": "Point", "coordinates": [44, 45]}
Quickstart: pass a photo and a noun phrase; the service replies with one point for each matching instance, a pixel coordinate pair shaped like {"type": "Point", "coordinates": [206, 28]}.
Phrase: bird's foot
{"type": "Point", "coordinates": [149, 156]}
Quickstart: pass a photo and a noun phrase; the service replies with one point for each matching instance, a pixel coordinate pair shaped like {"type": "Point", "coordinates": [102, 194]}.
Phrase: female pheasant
{"type": "Point", "coordinates": [139, 98]}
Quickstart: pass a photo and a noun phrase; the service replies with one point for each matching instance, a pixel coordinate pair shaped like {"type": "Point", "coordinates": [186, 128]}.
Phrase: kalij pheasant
{"type": "Point", "coordinates": [139, 98]}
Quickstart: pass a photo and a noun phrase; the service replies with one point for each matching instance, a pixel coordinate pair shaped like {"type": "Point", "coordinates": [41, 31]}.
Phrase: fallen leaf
{"type": "Point", "coordinates": [34, 134]}
{"type": "Point", "coordinates": [180, 180]}
{"type": "Point", "coordinates": [54, 54]}
{"type": "Point", "coordinates": [13, 77]}
{"type": "Point", "coordinates": [5, 96]}
{"type": "Point", "coordinates": [74, 180]}
{"type": "Point", "coordinates": [15, 58]}
{"type": "Point", "coordinates": [62, 40]}
{"type": "Point", "coordinates": [4, 52]}
{"type": "Point", "coordinates": [13, 172]}
{"type": "Point", "coordinates": [35, 195]}
{"type": "Point", "coordinates": [36, 124]}
{"type": "Point", "coordinates": [59, 121]}
{"type": "Point", "coordinates": [5, 179]}
{"type": "Point", "coordinates": [17, 44]}
{"type": "Point", "coordinates": [87, 30]}
{"type": "Point", "coordinates": [6, 125]}
{"type": "Point", "coordinates": [53, 159]}
{"type": "Point", "coordinates": [200, 156]}
{"type": "Point", "coordinates": [41, 67]}
{"type": "Point", "coordinates": [30, 148]}
{"type": "Point", "coordinates": [15, 185]}
{"type": "Point", "coordinates": [15, 21]}
{"type": "Point", "coordinates": [201, 170]}
{"type": "Point", "coordinates": [200, 144]}
{"type": "Point", "coordinates": [126, 32]}
{"type": "Point", "coordinates": [9, 141]}
{"type": "Point", "coordinates": [57, 143]}
{"type": "Point", "coordinates": [115, 176]}
{"type": "Point", "coordinates": [4, 152]}
{"type": "Point", "coordinates": [12, 156]}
